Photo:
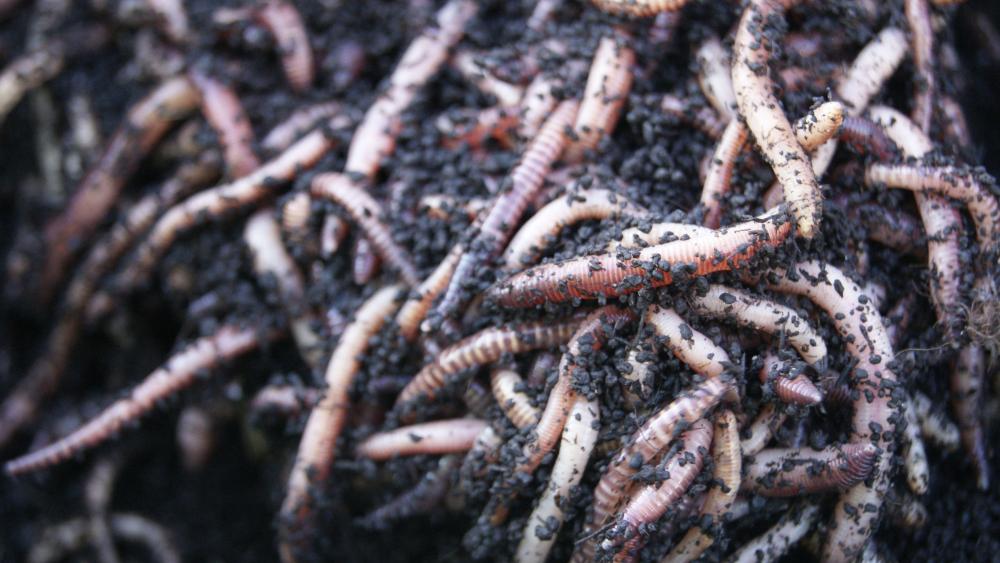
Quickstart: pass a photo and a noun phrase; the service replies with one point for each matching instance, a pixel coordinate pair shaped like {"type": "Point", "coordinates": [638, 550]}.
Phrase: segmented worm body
{"type": "Point", "coordinates": [792, 472]}
{"type": "Point", "coordinates": [720, 172]}
{"type": "Point", "coordinates": [967, 389]}
{"type": "Point", "coordinates": [915, 464]}
{"type": "Point", "coordinates": [225, 114]}
{"type": "Point", "coordinates": [301, 122]}
{"type": "Point", "coordinates": [282, 19]}
{"type": "Point", "coordinates": [639, 8]}
{"type": "Point", "coordinates": [421, 498]}
{"type": "Point", "coordinates": [871, 69]}
{"type": "Point", "coordinates": [865, 136]}
{"type": "Point", "coordinates": [506, 94]}
{"type": "Point", "coordinates": [438, 437]}
{"type": "Point", "coordinates": [935, 425]}
{"type": "Point", "coordinates": [715, 78]}
{"type": "Point", "coordinates": [287, 401]}
{"type": "Point", "coordinates": [604, 96]}
{"type": "Point", "coordinates": [918, 17]}
{"type": "Point", "coordinates": [791, 528]}
{"type": "Point", "coordinates": [701, 117]}
{"type": "Point", "coordinates": [612, 274]}
{"type": "Point", "coordinates": [508, 390]}
{"type": "Point", "coordinates": [763, 427]}
{"type": "Point", "coordinates": [415, 309]}
{"type": "Point", "coordinates": [179, 372]}
{"type": "Point", "coordinates": [796, 389]}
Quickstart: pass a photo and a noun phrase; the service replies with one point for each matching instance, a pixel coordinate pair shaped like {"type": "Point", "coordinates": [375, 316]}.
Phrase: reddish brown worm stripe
{"type": "Point", "coordinates": [604, 96]}
{"type": "Point", "coordinates": [225, 114]}
{"type": "Point", "coordinates": [796, 389]}
{"type": "Point", "coordinates": [792, 472]}
{"type": "Point", "coordinates": [720, 171]}
{"type": "Point", "coordinates": [415, 309]}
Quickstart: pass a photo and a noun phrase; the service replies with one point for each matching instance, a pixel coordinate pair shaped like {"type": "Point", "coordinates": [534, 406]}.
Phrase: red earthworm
{"type": "Point", "coordinates": [179, 372]}
{"type": "Point", "coordinates": [788, 473]}
{"type": "Point", "coordinates": [262, 236]}
{"type": "Point", "coordinates": [764, 315]}
{"type": "Point", "coordinates": [967, 384]}
{"type": "Point", "coordinates": [941, 222]}
{"type": "Point", "coordinates": [498, 225]}
{"type": "Point", "coordinates": [282, 19]}
{"type": "Point", "coordinates": [639, 8]}
{"type": "Point", "coordinates": [482, 348]}
{"type": "Point", "coordinates": [364, 210]}
{"type": "Point", "coordinates": [473, 127]}
{"type": "Point", "coordinates": [507, 388]}
{"type": "Point", "coordinates": [317, 447]}
{"type": "Point", "coordinates": [866, 136]}
{"type": "Point", "coordinates": [652, 501]}
{"type": "Point", "coordinates": [608, 85]}
{"type": "Point", "coordinates": [224, 112]}
{"type": "Point", "coordinates": [915, 464]}
{"type": "Point", "coordinates": [286, 400]}
{"type": "Point", "coordinates": [579, 437]}
{"type": "Point", "coordinates": [549, 221]}
{"type": "Point", "coordinates": [302, 121]}
{"type": "Point", "coordinates": [720, 171]}
{"type": "Point", "coordinates": [415, 309]}
{"type": "Point", "coordinates": [365, 264]}
{"type": "Point", "coordinates": [144, 125]}
{"type": "Point", "coordinates": [20, 407]}
{"type": "Point", "coordinates": [948, 181]}
{"type": "Point", "coordinates": [702, 118]}
{"type": "Point", "coordinates": [506, 94]}
{"type": "Point", "coordinates": [726, 472]}
{"type": "Point", "coordinates": [644, 445]}
{"type": "Point", "coordinates": [798, 389]}
{"type": "Point", "coordinates": [759, 433]}
{"type": "Point", "coordinates": [715, 79]}
{"type": "Point", "coordinates": [765, 118]}
{"type": "Point", "coordinates": [440, 206]}
{"type": "Point", "coordinates": [955, 125]}
{"type": "Point", "coordinates": [873, 66]}
{"type": "Point", "coordinates": [332, 234]}
{"type": "Point", "coordinates": [419, 499]}
{"type": "Point", "coordinates": [438, 437]}
{"type": "Point", "coordinates": [789, 529]}
{"type": "Point", "coordinates": [375, 137]}
{"type": "Point", "coordinates": [934, 425]}
{"type": "Point", "coordinates": [173, 18]}
{"type": "Point", "coordinates": [918, 17]}
{"type": "Point", "coordinates": [609, 275]}
{"type": "Point", "coordinates": [875, 413]}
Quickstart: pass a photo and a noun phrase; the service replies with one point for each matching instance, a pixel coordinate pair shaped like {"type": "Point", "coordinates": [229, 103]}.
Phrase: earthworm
{"type": "Point", "coordinates": [364, 210]}
{"type": "Point", "coordinates": [789, 529]}
{"type": "Point", "coordinates": [144, 124]}
{"type": "Point", "coordinates": [638, 8]}
{"type": "Point", "coordinates": [375, 137]}
{"type": "Point", "coordinates": [484, 451]}
{"type": "Point", "coordinates": [967, 384]}
{"type": "Point", "coordinates": [302, 121]}
{"type": "Point", "coordinates": [27, 72]}
{"type": "Point", "coordinates": [793, 472]}
{"type": "Point", "coordinates": [58, 542]}
{"type": "Point", "coordinates": [610, 275]}
{"type": "Point", "coordinates": [765, 118]}
{"type": "Point", "coordinates": [759, 433]}
{"type": "Point", "coordinates": [332, 234]}
{"type": "Point", "coordinates": [98, 491]}
{"type": "Point", "coordinates": [653, 500]}
{"type": "Point", "coordinates": [545, 363]}
{"type": "Point", "coordinates": [941, 223]}
{"type": "Point", "coordinates": [179, 372]}
{"type": "Point", "coordinates": [870, 70]}
{"type": "Point", "coordinates": [908, 512]}
{"type": "Point", "coordinates": [864, 135]}
{"type": "Point", "coordinates": [216, 201]}
{"type": "Point", "coordinates": [955, 125]}
{"type": "Point", "coordinates": [295, 214]}
{"type": "Point", "coordinates": [893, 228]}
{"type": "Point", "coordinates": [473, 126]}
{"type": "Point", "coordinates": [575, 448]}
{"type": "Point", "coordinates": [918, 18]}
{"type": "Point", "coordinates": [438, 437]}
{"type": "Point", "coordinates": [541, 14]}
{"type": "Point", "coordinates": [317, 446]}
{"type": "Point", "coordinates": [477, 398]}
{"type": "Point", "coordinates": [224, 112]}
{"type": "Point", "coordinates": [421, 498]}
{"type": "Point", "coordinates": [506, 94]}
{"type": "Point", "coordinates": [508, 208]}
{"type": "Point", "coordinates": [819, 125]}
{"type": "Point", "coordinates": [715, 79]}
{"type": "Point", "coordinates": [762, 314]}
{"type": "Point", "coordinates": [286, 400]}
{"type": "Point", "coordinates": [262, 236]}
{"type": "Point", "coordinates": [948, 181]}
{"type": "Point", "coordinates": [644, 445]}
{"type": "Point", "coordinates": [195, 437]}
{"type": "Point", "coordinates": [282, 19]}
{"type": "Point", "coordinates": [798, 390]}
{"type": "Point", "coordinates": [482, 348]}
{"type": "Point", "coordinates": [546, 224]}
{"type": "Point", "coordinates": [875, 413]}
{"type": "Point", "coordinates": [365, 264]}
{"type": "Point", "coordinates": [173, 18]}
{"type": "Point", "coordinates": [608, 85]}
{"type": "Point", "coordinates": [658, 233]}
{"type": "Point", "coordinates": [415, 309]}
{"type": "Point", "coordinates": [537, 103]}
{"type": "Point", "coordinates": [507, 387]}
{"type": "Point", "coordinates": [440, 206]}
{"type": "Point", "coordinates": [21, 405]}
{"type": "Point", "coordinates": [915, 466]}
{"type": "Point", "coordinates": [934, 425]}
{"type": "Point", "coordinates": [720, 172]}
{"type": "Point", "coordinates": [726, 471]}
{"type": "Point", "coordinates": [700, 117]}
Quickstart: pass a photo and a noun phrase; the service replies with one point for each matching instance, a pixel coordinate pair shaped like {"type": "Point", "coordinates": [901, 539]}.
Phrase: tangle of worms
{"type": "Point", "coordinates": [781, 472]}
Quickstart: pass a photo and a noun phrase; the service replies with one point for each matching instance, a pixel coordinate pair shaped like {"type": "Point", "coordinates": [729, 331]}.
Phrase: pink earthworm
{"type": "Point", "coordinates": [715, 78]}
{"type": "Point", "coordinates": [317, 447]}
{"type": "Point", "coordinates": [285, 400]}
{"type": "Point", "coordinates": [506, 94]}
{"type": "Point", "coordinates": [438, 437]}
{"type": "Point", "coordinates": [421, 498]}
{"type": "Point", "coordinates": [762, 429]}
{"type": "Point", "coordinates": [507, 387]}
{"type": "Point", "coordinates": [720, 172]}
{"type": "Point", "coordinates": [296, 213]}
{"type": "Point", "coordinates": [21, 405]}
{"type": "Point", "coordinates": [700, 117]}
{"type": "Point", "coordinates": [29, 71]}
{"type": "Point", "coordinates": [525, 180]}
{"type": "Point", "coordinates": [821, 124]}
{"type": "Point", "coordinates": [474, 127]}
{"type": "Point", "coordinates": [365, 263]}
{"type": "Point", "coordinates": [871, 69]}
{"type": "Point", "coordinates": [892, 228]}
{"type": "Point", "coordinates": [144, 125]}
{"type": "Point", "coordinates": [549, 221]}
{"type": "Point", "coordinates": [792, 527]}
{"type": "Point", "coordinates": [302, 121]}
{"type": "Point", "coordinates": [609, 274]}
{"type": "Point", "coordinates": [608, 85]}
{"type": "Point", "coordinates": [282, 19]}
{"type": "Point", "coordinates": [967, 384]}
{"type": "Point", "coordinates": [414, 311]}
{"type": "Point", "coordinates": [653, 500]}
{"type": "Point", "coordinates": [918, 17]}
{"type": "Point", "coordinates": [875, 412]}
{"type": "Point", "coordinates": [765, 118]}
{"type": "Point", "coordinates": [955, 125]}
{"type": "Point", "coordinates": [639, 8]}
{"type": "Point", "coordinates": [179, 372]}
{"type": "Point", "coordinates": [915, 466]}
{"type": "Point", "coordinates": [224, 112]}
{"type": "Point", "coordinates": [798, 390]}
{"type": "Point", "coordinates": [537, 103]}
{"type": "Point", "coordinates": [727, 468]}
{"type": "Point", "coordinates": [794, 472]}
{"type": "Point", "coordinates": [579, 437]}
{"type": "Point", "coordinates": [482, 348]}
{"type": "Point", "coordinates": [332, 233]}
{"type": "Point", "coordinates": [440, 206]}
{"type": "Point", "coordinates": [935, 425]}
{"type": "Point", "coordinates": [866, 136]}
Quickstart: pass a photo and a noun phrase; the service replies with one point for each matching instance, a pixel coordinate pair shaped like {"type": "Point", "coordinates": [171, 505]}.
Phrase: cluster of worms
{"type": "Point", "coordinates": [629, 280]}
